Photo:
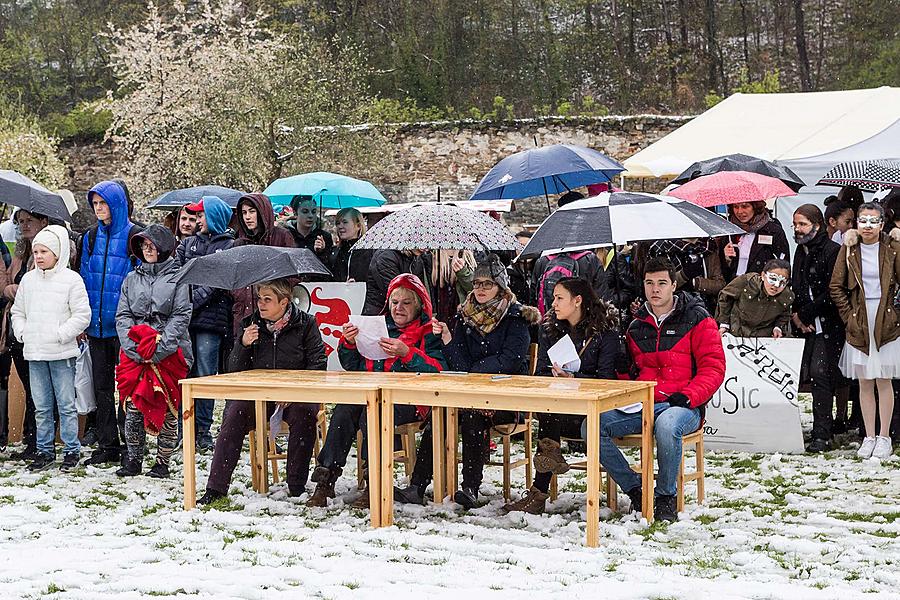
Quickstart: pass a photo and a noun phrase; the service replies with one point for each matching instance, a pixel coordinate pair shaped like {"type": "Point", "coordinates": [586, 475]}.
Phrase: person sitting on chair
{"type": "Point", "coordinates": [277, 336]}
{"type": "Point", "coordinates": [674, 341]}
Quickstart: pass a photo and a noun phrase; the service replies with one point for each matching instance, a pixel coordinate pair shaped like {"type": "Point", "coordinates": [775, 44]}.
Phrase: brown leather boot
{"type": "Point", "coordinates": [325, 479]}
{"type": "Point", "coordinates": [533, 502]}
{"type": "Point", "coordinates": [549, 458]}
{"type": "Point", "coordinates": [362, 501]}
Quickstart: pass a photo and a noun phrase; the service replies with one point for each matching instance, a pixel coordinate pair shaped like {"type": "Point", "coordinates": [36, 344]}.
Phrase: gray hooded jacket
{"type": "Point", "coordinates": [149, 296]}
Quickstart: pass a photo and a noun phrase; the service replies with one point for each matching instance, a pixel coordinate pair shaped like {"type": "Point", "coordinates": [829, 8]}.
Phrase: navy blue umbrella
{"type": "Point", "coordinates": [549, 170]}
{"type": "Point", "coordinates": [178, 198]}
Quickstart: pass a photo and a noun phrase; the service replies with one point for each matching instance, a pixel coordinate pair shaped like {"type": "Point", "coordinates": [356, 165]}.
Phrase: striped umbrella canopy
{"type": "Point", "coordinates": [622, 217]}
{"type": "Point", "coordinates": [438, 227]}
{"type": "Point", "coordinates": [867, 175]}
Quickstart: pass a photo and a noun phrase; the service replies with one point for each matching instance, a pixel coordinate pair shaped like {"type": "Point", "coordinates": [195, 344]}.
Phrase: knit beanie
{"type": "Point", "coordinates": [48, 239]}
{"type": "Point", "coordinates": [492, 268]}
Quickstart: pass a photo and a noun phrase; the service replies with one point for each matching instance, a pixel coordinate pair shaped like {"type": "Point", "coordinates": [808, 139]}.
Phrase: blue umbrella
{"type": "Point", "coordinates": [549, 170]}
{"type": "Point", "coordinates": [330, 190]}
{"type": "Point", "coordinates": [178, 198]}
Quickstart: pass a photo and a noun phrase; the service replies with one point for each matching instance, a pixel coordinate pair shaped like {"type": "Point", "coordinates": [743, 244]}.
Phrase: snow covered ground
{"type": "Point", "coordinates": [773, 526]}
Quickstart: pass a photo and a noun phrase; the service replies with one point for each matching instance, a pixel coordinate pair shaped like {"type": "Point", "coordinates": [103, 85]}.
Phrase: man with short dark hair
{"type": "Point", "coordinates": [674, 342]}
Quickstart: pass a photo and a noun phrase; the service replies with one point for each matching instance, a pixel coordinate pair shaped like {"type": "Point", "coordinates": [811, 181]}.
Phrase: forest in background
{"type": "Point", "coordinates": [495, 59]}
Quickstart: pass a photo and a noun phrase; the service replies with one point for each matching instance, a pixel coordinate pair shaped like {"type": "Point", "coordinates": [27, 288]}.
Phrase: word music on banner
{"type": "Point", "coordinates": [331, 304]}
{"type": "Point", "coordinates": [756, 409]}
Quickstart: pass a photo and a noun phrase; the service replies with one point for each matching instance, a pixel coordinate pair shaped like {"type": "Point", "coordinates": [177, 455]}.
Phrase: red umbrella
{"type": "Point", "coordinates": [731, 187]}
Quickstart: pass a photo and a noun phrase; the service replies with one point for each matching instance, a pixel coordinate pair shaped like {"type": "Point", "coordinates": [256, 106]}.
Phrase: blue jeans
{"type": "Point", "coordinates": [207, 346]}
{"type": "Point", "coordinates": [671, 423]}
{"type": "Point", "coordinates": [53, 383]}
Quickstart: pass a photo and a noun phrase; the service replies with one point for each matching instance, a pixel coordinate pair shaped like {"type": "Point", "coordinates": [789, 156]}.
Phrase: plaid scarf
{"type": "Point", "coordinates": [484, 318]}
{"type": "Point", "coordinates": [276, 326]}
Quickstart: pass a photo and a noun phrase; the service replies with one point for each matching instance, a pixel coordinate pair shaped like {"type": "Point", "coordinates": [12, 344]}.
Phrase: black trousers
{"type": "Point", "coordinates": [820, 357]}
{"type": "Point", "coordinates": [346, 420]}
{"type": "Point", "coordinates": [5, 367]}
{"type": "Point", "coordinates": [555, 426]}
{"type": "Point", "coordinates": [110, 417]}
{"type": "Point", "coordinates": [473, 426]}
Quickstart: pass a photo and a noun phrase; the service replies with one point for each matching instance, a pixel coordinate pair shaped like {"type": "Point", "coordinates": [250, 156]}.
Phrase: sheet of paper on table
{"type": "Point", "coordinates": [371, 330]}
{"type": "Point", "coordinates": [564, 354]}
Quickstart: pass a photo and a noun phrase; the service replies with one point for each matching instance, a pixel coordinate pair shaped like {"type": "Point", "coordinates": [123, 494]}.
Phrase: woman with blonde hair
{"type": "Point", "coordinates": [347, 264]}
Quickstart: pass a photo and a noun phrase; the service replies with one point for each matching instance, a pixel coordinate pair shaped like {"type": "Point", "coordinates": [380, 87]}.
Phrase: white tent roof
{"type": "Point", "coordinates": [778, 127]}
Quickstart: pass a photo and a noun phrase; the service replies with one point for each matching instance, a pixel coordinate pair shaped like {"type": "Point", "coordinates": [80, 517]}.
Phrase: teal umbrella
{"type": "Point", "coordinates": [329, 190]}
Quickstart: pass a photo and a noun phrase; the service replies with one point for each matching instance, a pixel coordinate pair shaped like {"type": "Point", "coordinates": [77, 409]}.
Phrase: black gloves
{"type": "Point", "coordinates": [679, 399]}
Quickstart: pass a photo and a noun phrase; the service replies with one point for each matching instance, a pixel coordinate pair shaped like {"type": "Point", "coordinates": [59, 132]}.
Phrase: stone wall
{"type": "Point", "coordinates": [452, 155]}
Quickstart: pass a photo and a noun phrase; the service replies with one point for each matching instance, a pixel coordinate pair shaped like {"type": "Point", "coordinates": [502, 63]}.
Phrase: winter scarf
{"type": "Point", "coordinates": [276, 326]}
{"type": "Point", "coordinates": [152, 387]}
{"type": "Point", "coordinates": [484, 318]}
{"type": "Point", "coordinates": [758, 221]}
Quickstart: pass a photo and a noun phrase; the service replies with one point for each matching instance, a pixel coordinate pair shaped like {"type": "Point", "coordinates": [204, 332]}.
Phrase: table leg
{"type": "Point", "coordinates": [647, 483]}
{"type": "Point", "coordinates": [373, 425]}
{"type": "Point", "coordinates": [188, 447]}
{"type": "Point", "coordinates": [262, 446]}
{"type": "Point", "coordinates": [438, 435]}
{"type": "Point", "coordinates": [593, 477]}
{"type": "Point", "coordinates": [386, 467]}
{"type": "Point", "coordinates": [451, 448]}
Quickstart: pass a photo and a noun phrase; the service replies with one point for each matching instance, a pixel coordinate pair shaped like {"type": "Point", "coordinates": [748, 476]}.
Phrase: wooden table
{"type": "Point", "coordinates": [588, 397]}
{"type": "Point", "coordinates": [261, 386]}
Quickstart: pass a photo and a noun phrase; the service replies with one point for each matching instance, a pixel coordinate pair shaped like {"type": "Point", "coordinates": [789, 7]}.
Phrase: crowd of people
{"type": "Point", "coordinates": [651, 310]}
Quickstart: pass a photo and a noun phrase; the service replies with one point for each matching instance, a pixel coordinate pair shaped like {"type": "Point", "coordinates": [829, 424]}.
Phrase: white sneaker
{"type": "Point", "coordinates": [866, 448]}
{"type": "Point", "coordinates": [883, 447]}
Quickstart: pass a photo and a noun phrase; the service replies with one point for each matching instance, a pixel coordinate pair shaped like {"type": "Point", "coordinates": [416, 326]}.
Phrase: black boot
{"type": "Point", "coordinates": [637, 499]}
{"type": "Point", "coordinates": [466, 497]}
{"type": "Point", "coordinates": [666, 509]}
{"type": "Point", "coordinates": [410, 495]}
{"type": "Point", "coordinates": [209, 497]}
{"type": "Point", "coordinates": [130, 468]}
{"type": "Point", "coordinates": [159, 471]}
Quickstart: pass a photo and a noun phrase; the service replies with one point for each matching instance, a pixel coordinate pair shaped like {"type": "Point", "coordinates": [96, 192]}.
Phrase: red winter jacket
{"type": "Point", "coordinates": [684, 355]}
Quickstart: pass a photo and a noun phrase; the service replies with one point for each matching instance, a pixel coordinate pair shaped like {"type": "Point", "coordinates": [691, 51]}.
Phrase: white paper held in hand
{"type": "Point", "coordinates": [564, 354]}
{"type": "Point", "coordinates": [371, 330]}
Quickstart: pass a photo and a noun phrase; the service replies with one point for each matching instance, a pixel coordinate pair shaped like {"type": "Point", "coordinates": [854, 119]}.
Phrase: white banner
{"type": "Point", "coordinates": [756, 408]}
{"type": "Point", "coordinates": [332, 304]}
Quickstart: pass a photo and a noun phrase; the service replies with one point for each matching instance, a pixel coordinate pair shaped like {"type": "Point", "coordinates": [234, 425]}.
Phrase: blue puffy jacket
{"type": "Point", "coordinates": [105, 267]}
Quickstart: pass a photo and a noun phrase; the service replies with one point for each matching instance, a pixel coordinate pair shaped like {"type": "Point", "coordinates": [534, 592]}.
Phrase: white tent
{"type": "Point", "coordinates": [808, 132]}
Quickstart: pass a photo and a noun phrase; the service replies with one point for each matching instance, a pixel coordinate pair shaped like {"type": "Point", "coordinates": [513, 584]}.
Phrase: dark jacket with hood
{"type": "Point", "coordinates": [810, 280]}
{"type": "Point", "coordinates": [683, 353]}
{"type": "Point", "coordinates": [598, 350]}
{"type": "Point", "coordinates": [267, 233]}
{"type": "Point", "coordinates": [151, 297]}
{"type": "Point", "coordinates": [385, 265]}
{"type": "Point", "coordinates": [105, 264]}
{"type": "Point", "coordinates": [503, 350]}
{"type": "Point", "coordinates": [212, 307]}
{"type": "Point", "coordinates": [298, 346]}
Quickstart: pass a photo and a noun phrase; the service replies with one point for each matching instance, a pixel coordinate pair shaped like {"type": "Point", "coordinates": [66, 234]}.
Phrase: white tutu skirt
{"type": "Point", "coordinates": [878, 364]}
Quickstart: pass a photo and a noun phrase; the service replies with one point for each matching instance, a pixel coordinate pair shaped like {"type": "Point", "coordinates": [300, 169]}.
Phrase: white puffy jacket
{"type": "Point", "coordinates": [51, 308]}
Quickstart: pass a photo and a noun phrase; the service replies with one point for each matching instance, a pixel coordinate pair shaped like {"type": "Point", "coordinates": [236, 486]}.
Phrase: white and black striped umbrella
{"type": "Point", "coordinates": [622, 217]}
{"type": "Point", "coordinates": [867, 175]}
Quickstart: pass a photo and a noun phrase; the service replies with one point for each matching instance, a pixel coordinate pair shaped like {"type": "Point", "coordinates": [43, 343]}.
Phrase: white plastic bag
{"type": "Point", "coordinates": [84, 382]}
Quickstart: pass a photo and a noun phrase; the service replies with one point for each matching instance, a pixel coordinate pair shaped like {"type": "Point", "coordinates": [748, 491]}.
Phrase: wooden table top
{"type": "Point", "coordinates": [320, 379]}
{"type": "Point", "coordinates": [518, 385]}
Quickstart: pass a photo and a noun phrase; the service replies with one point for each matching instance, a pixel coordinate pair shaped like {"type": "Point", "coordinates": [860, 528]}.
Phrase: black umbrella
{"type": "Point", "coordinates": [21, 192]}
{"type": "Point", "coordinates": [240, 267]}
{"type": "Point", "coordinates": [741, 162]}
{"type": "Point", "coordinates": [178, 198]}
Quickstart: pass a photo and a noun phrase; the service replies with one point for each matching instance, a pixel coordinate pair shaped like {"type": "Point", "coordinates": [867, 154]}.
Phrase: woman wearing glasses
{"type": "Point", "coordinates": [757, 304]}
{"type": "Point", "coordinates": [864, 288]}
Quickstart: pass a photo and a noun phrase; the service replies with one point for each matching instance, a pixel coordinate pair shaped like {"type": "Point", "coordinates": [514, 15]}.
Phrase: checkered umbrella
{"type": "Point", "coordinates": [867, 175]}
{"type": "Point", "coordinates": [438, 227]}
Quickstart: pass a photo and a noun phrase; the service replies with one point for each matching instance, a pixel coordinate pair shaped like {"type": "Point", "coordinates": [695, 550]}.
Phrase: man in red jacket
{"type": "Point", "coordinates": [674, 342]}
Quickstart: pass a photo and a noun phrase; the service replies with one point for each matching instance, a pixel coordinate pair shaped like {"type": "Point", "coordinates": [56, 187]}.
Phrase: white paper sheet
{"type": "Point", "coordinates": [632, 408]}
{"type": "Point", "coordinates": [564, 354]}
{"type": "Point", "coordinates": [371, 330]}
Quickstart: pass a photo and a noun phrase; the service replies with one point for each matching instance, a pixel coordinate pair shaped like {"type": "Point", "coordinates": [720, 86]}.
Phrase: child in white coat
{"type": "Point", "coordinates": [51, 310]}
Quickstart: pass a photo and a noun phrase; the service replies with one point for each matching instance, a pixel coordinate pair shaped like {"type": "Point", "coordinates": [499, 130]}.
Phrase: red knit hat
{"type": "Point", "coordinates": [410, 282]}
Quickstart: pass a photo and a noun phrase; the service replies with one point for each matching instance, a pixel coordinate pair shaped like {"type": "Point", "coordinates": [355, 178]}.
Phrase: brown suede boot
{"type": "Point", "coordinates": [534, 502]}
{"type": "Point", "coordinates": [549, 458]}
{"type": "Point", "coordinates": [324, 479]}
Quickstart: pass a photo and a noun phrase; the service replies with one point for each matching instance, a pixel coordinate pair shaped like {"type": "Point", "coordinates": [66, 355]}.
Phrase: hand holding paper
{"type": "Point", "coordinates": [564, 354]}
{"type": "Point", "coordinates": [368, 340]}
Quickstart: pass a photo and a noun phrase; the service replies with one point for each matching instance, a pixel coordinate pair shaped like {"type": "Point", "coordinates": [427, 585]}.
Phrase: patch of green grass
{"type": "Point", "coordinates": [650, 531]}
{"type": "Point", "coordinates": [149, 510]}
{"type": "Point", "coordinates": [95, 501]}
{"type": "Point", "coordinates": [223, 504]}
{"type": "Point", "coordinates": [7, 499]}
{"type": "Point", "coordinates": [9, 473]}
{"type": "Point", "coordinates": [889, 517]}
{"type": "Point", "coordinates": [877, 533]}
{"type": "Point", "coordinates": [165, 543]}
{"type": "Point", "coordinates": [706, 519]}
{"type": "Point", "coordinates": [178, 592]}
{"type": "Point", "coordinates": [44, 507]}
{"type": "Point", "coordinates": [352, 585]}
{"type": "Point", "coordinates": [53, 589]}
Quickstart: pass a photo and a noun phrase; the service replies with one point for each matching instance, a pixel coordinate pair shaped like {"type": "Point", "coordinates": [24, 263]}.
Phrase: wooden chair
{"type": "Point", "coordinates": [273, 456]}
{"type": "Point", "coordinates": [406, 454]}
{"type": "Point", "coordinates": [694, 439]}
